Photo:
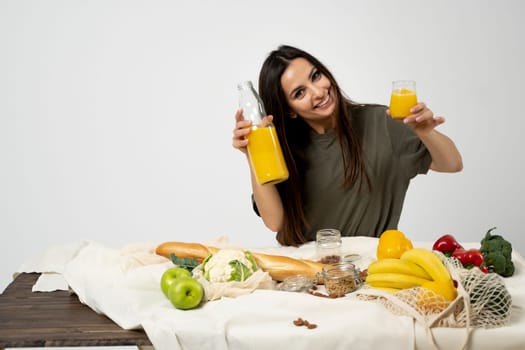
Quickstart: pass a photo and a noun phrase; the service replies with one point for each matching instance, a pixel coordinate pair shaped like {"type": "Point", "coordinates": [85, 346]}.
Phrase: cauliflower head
{"type": "Point", "coordinates": [229, 265]}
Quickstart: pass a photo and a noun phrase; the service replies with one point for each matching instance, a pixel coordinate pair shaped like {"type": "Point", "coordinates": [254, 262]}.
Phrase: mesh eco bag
{"type": "Point", "coordinates": [482, 301]}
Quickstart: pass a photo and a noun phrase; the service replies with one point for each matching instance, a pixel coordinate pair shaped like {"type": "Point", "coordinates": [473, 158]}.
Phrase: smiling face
{"type": "Point", "coordinates": [310, 94]}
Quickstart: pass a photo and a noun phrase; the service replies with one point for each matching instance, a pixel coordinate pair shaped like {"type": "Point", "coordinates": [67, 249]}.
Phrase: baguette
{"type": "Point", "coordinates": [185, 250]}
{"type": "Point", "coordinates": [278, 266]}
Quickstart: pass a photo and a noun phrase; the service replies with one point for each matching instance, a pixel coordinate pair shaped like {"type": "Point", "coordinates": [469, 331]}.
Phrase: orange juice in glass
{"type": "Point", "coordinates": [403, 98]}
{"type": "Point", "coordinates": [266, 156]}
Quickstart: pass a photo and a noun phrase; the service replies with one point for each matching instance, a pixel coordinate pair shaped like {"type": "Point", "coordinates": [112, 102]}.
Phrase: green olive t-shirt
{"type": "Point", "coordinates": [394, 154]}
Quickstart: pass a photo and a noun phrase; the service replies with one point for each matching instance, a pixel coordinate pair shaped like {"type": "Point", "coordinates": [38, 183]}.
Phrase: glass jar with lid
{"type": "Point", "coordinates": [343, 278]}
{"type": "Point", "coordinates": [328, 246]}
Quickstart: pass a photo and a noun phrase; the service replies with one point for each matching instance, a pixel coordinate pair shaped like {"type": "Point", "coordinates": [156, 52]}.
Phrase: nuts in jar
{"type": "Point", "coordinates": [330, 259]}
{"type": "Point", "coordinates": [340, 280]}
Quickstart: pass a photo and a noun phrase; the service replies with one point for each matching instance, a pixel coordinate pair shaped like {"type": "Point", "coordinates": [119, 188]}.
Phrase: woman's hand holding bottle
{"type": "Point", "coordinates": [242, 130]}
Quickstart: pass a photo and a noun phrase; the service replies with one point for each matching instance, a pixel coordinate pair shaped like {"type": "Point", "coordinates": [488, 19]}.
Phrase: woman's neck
{"type": "Point", "coordinates": [322, 126]}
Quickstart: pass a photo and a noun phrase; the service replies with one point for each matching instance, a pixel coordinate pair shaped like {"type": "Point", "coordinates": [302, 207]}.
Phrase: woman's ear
{"type": "Point", "coordinates": [292, 115]}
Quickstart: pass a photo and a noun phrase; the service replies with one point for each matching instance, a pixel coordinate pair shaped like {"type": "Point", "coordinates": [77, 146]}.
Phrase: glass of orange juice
{"type": "Point", "coordinates": [403, 98]}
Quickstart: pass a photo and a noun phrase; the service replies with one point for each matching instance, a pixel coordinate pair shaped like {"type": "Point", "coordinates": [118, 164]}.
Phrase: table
{"type": "Point", "coordinates": [123, 284]}
{"type": "Point", "coordinates": [56, 319]}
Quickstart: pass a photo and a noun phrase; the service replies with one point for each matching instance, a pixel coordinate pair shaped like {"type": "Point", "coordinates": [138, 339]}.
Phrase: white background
{"type": "Point", "coordinates": [116, 116]}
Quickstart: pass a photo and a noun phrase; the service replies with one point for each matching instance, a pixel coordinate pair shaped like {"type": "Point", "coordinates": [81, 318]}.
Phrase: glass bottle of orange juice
{"type": "Point", "coordinates": [264, 149]}
{"type": "Point", "coordinates": [403, 98]}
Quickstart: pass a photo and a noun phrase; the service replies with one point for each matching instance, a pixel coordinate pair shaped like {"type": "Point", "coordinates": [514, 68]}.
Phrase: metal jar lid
{"type": "Point", "coordinates": [350, 257]}
{"type": "Point", "coordinates": [296, 283]}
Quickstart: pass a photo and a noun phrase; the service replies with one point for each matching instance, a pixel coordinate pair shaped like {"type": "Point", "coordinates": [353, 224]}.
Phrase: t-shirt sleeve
{"type": "Point", "coordinates": [413, 155]}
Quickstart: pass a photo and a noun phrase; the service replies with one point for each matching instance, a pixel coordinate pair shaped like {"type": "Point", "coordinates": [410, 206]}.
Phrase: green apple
{"type": "Point", "coordinates": [171, 275]}
{"type": "Point", "coordinates": [185, 293]}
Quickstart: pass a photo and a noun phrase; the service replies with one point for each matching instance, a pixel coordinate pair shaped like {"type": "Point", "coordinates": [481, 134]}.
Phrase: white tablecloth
{"type": "Point", "coordinates": [124, 285]}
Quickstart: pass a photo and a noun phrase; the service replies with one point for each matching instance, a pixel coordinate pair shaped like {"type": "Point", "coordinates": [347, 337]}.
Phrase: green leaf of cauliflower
{"type": "Point", "coordinates": [250, 257]}
{"type": "Point", "coordinates": [240, 272]}
{"type": "Point", "coordinates": [206, 272]}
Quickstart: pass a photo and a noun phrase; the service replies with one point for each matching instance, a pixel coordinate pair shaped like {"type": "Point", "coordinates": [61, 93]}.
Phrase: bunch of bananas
{"type": "Point", "coordinates": [417, 267]}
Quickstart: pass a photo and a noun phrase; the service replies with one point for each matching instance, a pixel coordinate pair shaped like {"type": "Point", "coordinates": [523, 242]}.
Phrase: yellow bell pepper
{"type": "Point", "coordinates": [392, 244]}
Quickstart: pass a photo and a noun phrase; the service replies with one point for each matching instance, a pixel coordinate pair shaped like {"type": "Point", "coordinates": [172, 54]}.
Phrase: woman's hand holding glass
{"type": "Point", "coordinates": [422, 119]}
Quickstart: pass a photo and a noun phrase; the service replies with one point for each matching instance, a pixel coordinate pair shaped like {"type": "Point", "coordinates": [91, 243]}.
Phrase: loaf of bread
{"type": "Point", "coordinates": [278, 266]}
{"type": "Point", "coordinates": [185, 250]}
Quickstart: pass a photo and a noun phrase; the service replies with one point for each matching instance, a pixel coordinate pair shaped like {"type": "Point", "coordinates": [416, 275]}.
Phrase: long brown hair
{"type": "Point", "coordinates": [294, 135]}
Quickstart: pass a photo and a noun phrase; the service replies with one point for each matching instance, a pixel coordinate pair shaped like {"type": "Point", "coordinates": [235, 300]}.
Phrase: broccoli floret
{"type": "Point", "coordinates": [506, 248]}
{"type": "Point", "coordinates": [497, 244]}
{"type": "Point", "coordinates": [497, 253]}
{"type": "Point", "coordinates": [509, 270]}
{"type": "Point", "coordinates": [496, 261]}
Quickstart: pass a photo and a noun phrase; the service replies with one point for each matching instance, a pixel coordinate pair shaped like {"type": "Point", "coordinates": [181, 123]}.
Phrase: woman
{"type": "Point", "coordinates": [350, 164]}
